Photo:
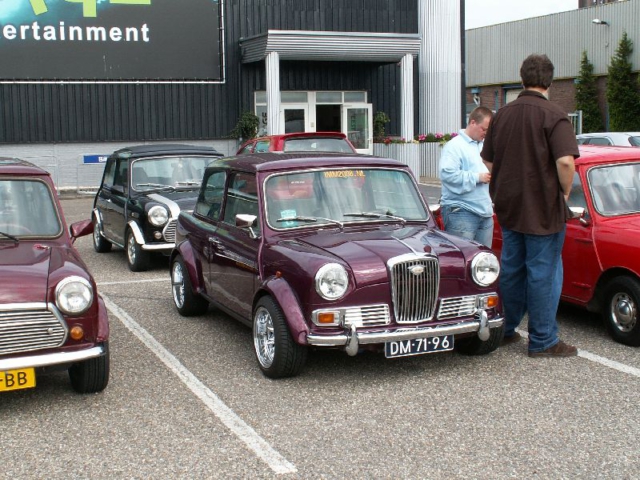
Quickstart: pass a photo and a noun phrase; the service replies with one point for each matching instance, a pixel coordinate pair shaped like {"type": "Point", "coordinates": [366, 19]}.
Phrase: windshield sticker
{"type": "Point", "coordinates": [288, 214]}
{"type": "Point", "coordinates": [344, 173]}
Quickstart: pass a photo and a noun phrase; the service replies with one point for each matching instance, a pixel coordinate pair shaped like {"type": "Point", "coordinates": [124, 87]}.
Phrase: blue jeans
{"type": "Point", "coordinates": [531, 281]}
{"type": "Point", "coordinates": [466, 224]}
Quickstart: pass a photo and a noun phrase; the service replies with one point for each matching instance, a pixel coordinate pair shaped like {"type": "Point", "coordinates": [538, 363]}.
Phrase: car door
{"type": "Point", "coordinates": [207, 211]}
{"type": "Point", "coordinates": [234, 265]}
{"type": "Point", "coordinates": [580, 261]}
{"type": "Point", "coordinates": [111, 199]}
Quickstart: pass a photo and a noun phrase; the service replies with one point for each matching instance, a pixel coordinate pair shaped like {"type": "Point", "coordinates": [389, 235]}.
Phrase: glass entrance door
{"type": "Point", "coordinates": [357, 124]}
{"type": "Point", "coordinates": [295, 118]}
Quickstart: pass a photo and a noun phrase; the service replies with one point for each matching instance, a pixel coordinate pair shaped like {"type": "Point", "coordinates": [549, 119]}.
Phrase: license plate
{"type": "Point", "coordinates": [418, 346]}
{"type": "Point", "coordinates": [17, 379]}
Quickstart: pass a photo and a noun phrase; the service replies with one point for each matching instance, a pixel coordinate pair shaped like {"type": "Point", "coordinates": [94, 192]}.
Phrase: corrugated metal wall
{"type": "Point", "coordinates": [60, 113]}
{"type": "Point", "coordinates": [494, 54]}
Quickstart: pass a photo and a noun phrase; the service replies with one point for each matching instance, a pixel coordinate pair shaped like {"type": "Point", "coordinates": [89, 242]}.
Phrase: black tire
{"type": "Point", "coordinates": [277, 354]}
{"type": "Point", "coordinates": [92, 375]}
{"type": "Point", "coordinates": [100, 244]}
{"type": "Point", "coordinates": [187, 302]}
{"type": "Point", "coordinates": [475, 346]}
{"type": "Point", "coordinates": [137, 259]}
{"type": "Point", "coordinates": [620, 310]}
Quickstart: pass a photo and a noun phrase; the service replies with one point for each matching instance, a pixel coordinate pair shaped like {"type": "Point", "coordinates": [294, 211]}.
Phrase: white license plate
{"type": "Point", "coordinates": [418, 346]}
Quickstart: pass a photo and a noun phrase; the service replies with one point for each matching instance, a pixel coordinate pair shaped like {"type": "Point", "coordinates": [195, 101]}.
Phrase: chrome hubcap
{"type": "Point", "coordinates": [177, 284]}
{"type": "Point", "coordinates": [131, 249]}
{"type": "Point", "coordinates": [96, 234]}
{"type": "Point", "coordinates": [263, 337]}
{"type": "Point", "coordinates": [623, 312]}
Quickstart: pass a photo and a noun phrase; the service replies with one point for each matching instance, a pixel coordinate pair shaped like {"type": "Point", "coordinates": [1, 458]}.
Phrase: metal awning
{"type": "Point", "coordinates": [330, 46]}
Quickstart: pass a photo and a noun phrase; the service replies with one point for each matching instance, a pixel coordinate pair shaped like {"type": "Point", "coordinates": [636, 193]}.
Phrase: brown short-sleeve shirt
{"type": "Point", "coordinates": [524, 140]}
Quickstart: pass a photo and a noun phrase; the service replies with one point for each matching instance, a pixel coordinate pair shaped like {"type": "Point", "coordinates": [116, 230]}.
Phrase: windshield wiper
{"type": "Point", "coordinates": [156, 186]}
{"type": "Point", "coordinates": [375, 215]}
{"type": "Point", "coordinates": [309, 219]}
{"type": "Point", "coordinates": [188, 183]}
{"type": "Point", "coordinates": [15, 239]}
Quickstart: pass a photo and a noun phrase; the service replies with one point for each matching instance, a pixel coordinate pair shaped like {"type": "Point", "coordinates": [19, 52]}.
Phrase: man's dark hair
{"type": "Point", "coordinates": [536, 71]}
{"type": "Point", "coordinates": [478, 114]}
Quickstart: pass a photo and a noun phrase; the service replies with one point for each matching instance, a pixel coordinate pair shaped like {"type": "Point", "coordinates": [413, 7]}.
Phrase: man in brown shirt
{"type": "Point", "coordinates": [530, 149]}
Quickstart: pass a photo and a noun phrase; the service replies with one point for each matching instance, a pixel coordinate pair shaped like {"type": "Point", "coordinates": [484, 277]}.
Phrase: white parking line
{"type": "Point", "coordinates": [233, 422]}
{"type": "Point", "coordinates": [621, 367]}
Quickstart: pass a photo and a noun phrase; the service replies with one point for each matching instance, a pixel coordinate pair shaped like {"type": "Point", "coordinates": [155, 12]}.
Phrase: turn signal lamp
{"type": "Point", "coordinates": [77, 332]}
{"type": "Point", "coordinates": [489, 301]}
{"type": "Point", "coordinates": [325, 318]}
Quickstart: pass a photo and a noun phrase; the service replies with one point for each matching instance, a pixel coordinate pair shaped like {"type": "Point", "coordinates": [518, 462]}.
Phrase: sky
{"type": "Point", "coordinates": [480, 13]}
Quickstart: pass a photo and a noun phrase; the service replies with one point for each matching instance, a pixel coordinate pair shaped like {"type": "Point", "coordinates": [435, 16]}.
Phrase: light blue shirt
{"type": "Point", "coordinates": [460, 169]}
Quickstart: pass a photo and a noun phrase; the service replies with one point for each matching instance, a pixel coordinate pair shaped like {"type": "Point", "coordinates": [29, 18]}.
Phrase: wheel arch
{"type": "Point", "coordinates": [282, 293]}
{"type": "Point", "coordinates": [193, 265]}
{"type": "Point", "coordinates": [597, 301]}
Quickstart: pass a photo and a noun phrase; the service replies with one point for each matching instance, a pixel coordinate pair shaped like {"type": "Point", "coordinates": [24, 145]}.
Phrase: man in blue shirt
{"type": "Point", "coordinates": [465, 204]}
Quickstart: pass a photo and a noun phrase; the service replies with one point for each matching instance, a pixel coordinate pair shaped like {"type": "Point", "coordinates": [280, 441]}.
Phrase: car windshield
{"type": "Point", "coordinates": [168, 172]}
{"type": "Point", "coordinates": [339, 196]}
{"type": "Point", "coordinates": [326, 144]}
{"type": "Point", "coordinates": [27, 209]}
{"type": "Point", "coordinates": [616, 188]}
{"type": "Point", "coordinates": [635, 141]}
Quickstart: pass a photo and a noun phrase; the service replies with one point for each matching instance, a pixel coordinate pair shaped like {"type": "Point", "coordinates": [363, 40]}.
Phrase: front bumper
{"type": "Point", "coordinates": [50, 359]}
{"type": "Point", "coordinates": [355, 338]}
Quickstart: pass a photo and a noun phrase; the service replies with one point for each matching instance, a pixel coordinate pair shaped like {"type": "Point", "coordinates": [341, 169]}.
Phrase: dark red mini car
{"type": "Point", "coordinates": [299, 142]}
{"type": "Point", "coordinates": [51, 315]}
{"type": "Point", "coordinates": [601, 254]}
{"type": "Point", "coordinates": [341, 254]}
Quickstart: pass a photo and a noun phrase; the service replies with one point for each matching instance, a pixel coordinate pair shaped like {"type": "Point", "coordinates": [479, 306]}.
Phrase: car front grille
{"type": "Point", "coordinates": [367, 316]}
{"type": "Point", "coordinates": [414, 287]}
{"type": "Point", "coordinates": [455, 307]}
{"type": "Point", "coordinates": [23, 329]}
{"type": "Point", "coordinates": [169, 232]}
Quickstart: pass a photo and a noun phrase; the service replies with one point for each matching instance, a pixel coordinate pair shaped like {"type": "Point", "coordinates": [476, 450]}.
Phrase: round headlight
{"type": "Point", "coordinates": [332, 281]}
{"type": "Point", "coordinates": [158, 215]}
{"type": "Point", "coordinates": [485, 268]}
{"type": "Point", "coordinates": [74, 295]}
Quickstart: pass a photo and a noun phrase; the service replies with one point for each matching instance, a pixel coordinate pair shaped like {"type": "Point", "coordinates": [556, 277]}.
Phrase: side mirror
{"type": "Point", "coordinates": [244, 220]}
{"type": "Point", "coordinates": [581, 214]}
{"type": "Point", "coordinates": [80, 229]}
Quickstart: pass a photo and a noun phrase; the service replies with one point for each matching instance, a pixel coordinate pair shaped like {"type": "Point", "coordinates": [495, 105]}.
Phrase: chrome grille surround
{"type": "Point", "coordinates": [25, 327]}
{"type": "Point", "coordinates": [415, 282]}
{"type": "Point", "coordinates": [169, 231]}
{"type": "Point", "coordinates": [455, 307]}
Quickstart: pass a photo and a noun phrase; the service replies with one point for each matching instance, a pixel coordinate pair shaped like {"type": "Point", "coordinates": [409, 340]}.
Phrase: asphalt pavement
{"type": "Point", "coordinates": [187, 400]}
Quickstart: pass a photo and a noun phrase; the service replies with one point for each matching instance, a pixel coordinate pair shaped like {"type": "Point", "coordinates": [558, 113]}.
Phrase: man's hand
{"type": "Point", "coordinates": [484, 178]}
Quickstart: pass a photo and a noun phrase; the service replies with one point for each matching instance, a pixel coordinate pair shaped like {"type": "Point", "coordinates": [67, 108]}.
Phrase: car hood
{"type": "Point", "coordinates": [367, 252]}
{"type": "Point", "coordinates": [185, 200]}
{"type": "Point", "coordinates": [27, 268]}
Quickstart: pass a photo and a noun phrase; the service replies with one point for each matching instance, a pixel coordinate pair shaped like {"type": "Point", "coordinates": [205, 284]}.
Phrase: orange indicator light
{"type": "Point", "coordinates": [77, 332]}
{"type": "Point", "coordinates": [326, 317]}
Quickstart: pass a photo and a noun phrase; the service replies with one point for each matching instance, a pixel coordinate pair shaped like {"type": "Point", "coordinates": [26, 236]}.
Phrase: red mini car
{"type": "Point", "coordinates": [601, 253]}
{"type": "Point", "coordinates": [50, 313]}
{"type": "Point", "coordinates": [299, 142]}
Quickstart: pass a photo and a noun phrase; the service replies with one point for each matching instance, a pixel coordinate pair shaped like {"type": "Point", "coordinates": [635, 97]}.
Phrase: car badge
{"type": "Point", "coordinates": [417, 270]}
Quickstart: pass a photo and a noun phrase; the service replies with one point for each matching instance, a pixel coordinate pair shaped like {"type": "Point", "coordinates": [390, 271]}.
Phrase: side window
{"type": "Point", "coordinates": [576, 197]}
{"type": "Point", "coordinates": [122, 171]}
{"type": "Point", "coordinates": [262, 146]}
{"type": "Point", "coordinates": [242, 198]}
{"type": "Point", "coordinates": [600, 141]}
{"type": "Point", "coordinates": [210, 199]}
{"type": "Point", "coordinates": [247, 148]}
{"type": "Point", "coordinates": [109, 173]}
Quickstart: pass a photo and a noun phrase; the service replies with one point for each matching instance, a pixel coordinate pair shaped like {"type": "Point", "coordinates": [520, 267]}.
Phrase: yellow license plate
{"type": "Point", "coordinates": [17, 379]}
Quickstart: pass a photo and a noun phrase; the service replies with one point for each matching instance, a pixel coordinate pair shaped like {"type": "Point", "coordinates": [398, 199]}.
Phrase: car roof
{"type": "Point", "coordinates": [137, 151]}
{"type": "Point", "coordinates": [17, 166]}
{"type": "Point", "coordinates": [275, 161]}
{"type": "Point", "coordinates": [303, 135]}
{"type": "Point", "coordinates": [600, 154]}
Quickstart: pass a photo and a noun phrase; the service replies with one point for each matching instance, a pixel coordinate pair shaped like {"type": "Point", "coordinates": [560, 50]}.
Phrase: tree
{"type": "Point", "coordinates": [623, 93]}
{"type": "Point", "coordinates": [587, 97]}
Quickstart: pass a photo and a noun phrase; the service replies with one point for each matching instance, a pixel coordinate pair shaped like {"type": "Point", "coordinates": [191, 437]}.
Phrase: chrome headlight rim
{"type": "Point", "coordinates": [74, 287]}
{"type": "Point", "coordinates": [486, 261]}
{"type": "Point", "coordinates": [158, 215]}
{"type": "Point", "coordinates": [322, 281]}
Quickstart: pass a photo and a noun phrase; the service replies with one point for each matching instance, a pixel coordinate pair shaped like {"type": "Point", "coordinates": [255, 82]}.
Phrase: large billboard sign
{"type": "Point", "coordinates": [110, 40]}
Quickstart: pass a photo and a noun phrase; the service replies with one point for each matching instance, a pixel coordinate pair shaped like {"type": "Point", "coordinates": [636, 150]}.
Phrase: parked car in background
{"type": "Point", "coordinates": [343, 254]}
{"type": "Point", "coordinates": [143, 190]}
{"type": "Point", "coordinates": [50, 313]}
{"type": "Point", "coordinates": [299, 142]}
{"type": "Point", "coordinates": [601, 253]}
{"type": "Point", "coordinates": [622, 139]}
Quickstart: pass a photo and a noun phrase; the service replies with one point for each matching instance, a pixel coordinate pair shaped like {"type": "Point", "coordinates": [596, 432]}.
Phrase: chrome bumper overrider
{"type": "Point", "coordinates": [49, 359]}
{"type": "Point", "coordinates": [402, 333]}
